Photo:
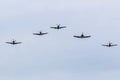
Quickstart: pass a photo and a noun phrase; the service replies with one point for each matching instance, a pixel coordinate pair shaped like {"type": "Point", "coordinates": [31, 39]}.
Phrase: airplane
{"type": "Point", "coordinates": [13, 42]}
{"type": "Point", "coordinates": [40, 33]}
{"type": "Point", "coordinates": [58, 27]}
{"type": "Point", "coordinates": [82, 36]}
{"type": "Point", "coordinates": [109, 44]}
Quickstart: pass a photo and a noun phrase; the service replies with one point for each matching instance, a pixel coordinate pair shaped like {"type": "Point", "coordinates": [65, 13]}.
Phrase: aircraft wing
{"type": "Point", "coordinates": [44, 33]}
{"type": "Point", "coordinates": [54, 27]}
{"type": "Point", "coordinates": [9, 42]}
{"type": "Point", "coordinates": [18, 42]}
{"type": "Point", "coordinates": [63, 27]}
{"type": "Point", "coordinates": [114, 45]}
{"type": "Point", "coordinates": [35, 33]}
{"type": "Point", "coordinates": [105, 45]}
{"type": "Point", "coordinates": [77, 36]}
{"type": "Point", "coordinates": [87, 36]}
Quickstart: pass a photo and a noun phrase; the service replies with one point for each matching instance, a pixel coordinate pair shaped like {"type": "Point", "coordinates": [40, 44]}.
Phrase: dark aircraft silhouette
{"type": "Point", "coordinates": [82, 36]}
{"type": "Point", "coordinates": [109, 44]}
{"type": "Point", "coordinates": [40, 33]}
{"type": "Point", "coordinates": [58, 27]}
{"type": "Point", "coordinates": [14, 42]}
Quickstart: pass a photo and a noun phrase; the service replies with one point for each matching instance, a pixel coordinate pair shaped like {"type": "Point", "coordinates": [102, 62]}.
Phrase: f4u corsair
{"type": "Point", "coordinates": [13, 42]}
{"type": "Point", "coordinates": [109, 44]}
{"type": "Point", "coordinates": [58, 27]}
{"type": "Point", "coordinates": [40, 33]}
{"type": "Point", "coordinates": [82, 36]}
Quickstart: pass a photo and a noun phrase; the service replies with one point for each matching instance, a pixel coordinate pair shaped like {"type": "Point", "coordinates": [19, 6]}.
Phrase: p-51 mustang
{"type": "Point", "coordinates": [82, 36]}
{"type": "Point", "coordinates": [40, 33]}
{"type": "Point", "coordinates": [109, 44]}
{"type": "Point", "coordinates": [58, 27]}
{"type": "Point", "coordinates": [13, 42]}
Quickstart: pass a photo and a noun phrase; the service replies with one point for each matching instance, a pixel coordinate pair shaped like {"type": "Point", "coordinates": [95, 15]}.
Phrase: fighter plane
{"type": "Point", "coordinates": [58, 27]}
{"type": "Point", "coordinates": [13, 42]}
{"type": "Point", "coordinates": [82, 36]}
{"type": "Point", "coordinates": [109, 44]}
{"type": "Point", "coordinates": [40, 33]}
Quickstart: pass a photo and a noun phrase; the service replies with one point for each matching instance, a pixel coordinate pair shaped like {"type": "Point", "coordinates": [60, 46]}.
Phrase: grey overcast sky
{"type": "Point", "coordinates": [59, 56]}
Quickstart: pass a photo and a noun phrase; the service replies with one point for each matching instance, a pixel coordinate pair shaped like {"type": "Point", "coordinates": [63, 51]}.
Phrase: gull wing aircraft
{"type": "Point", "coordinates": [58, 27]}
{"type": "Point", "coordinates": [13, 42]}
{"type": "Point", "coordinates": [82, 36]}
{"type": "Point", "coordinates": [109, 44]}
{"type": "Point", "coordinates": [40, 33]}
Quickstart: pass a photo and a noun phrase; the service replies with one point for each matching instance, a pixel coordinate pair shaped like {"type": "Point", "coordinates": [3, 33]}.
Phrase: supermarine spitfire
{"type": "Point", "coordinates": [13, 42]}
{"type": "Point", "coordinates": [109, 44]}
{"type": "Point", "coordinates": [82, 36]}
{"type": "Point", "coordinates": [58, 27]}
{"type": "Point", "coordinates": [40, 33]}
